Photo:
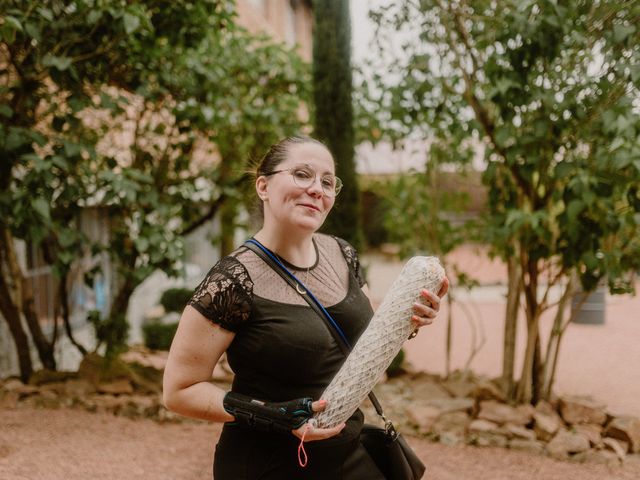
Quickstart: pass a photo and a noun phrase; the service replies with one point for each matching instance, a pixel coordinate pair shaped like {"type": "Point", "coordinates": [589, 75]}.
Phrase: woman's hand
{"type": "Point", "coordinates": [426, 310]}
{"type": "Point", "coordinates": [312, 433]}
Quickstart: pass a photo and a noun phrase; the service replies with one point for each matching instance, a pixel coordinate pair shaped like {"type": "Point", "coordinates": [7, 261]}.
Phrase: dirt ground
{"type": "Point", "coordinates": [76, 445]}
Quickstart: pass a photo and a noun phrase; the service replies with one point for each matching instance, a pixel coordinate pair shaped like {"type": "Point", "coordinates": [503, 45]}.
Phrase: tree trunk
{"type": "Point", "coordinates": [11, 315]}
{"type": "Point", "coordinates": [44, 347]}
{"type": "Point", "coordinates": [510, 326]}
{"type": "Point", "coordinates": [63, 296]}
{"type": "Point", "coordinates": [527, 386]}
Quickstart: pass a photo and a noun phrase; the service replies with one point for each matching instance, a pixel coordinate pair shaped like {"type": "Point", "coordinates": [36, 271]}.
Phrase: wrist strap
{"type": "Point", "coordinates": [270, 259]}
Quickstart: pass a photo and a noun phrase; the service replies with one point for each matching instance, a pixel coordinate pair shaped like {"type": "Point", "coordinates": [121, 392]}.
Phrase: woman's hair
{"type": "Point", "coordinates": [277, 153]}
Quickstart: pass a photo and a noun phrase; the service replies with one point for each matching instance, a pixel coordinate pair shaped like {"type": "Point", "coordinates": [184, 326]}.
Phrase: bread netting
{"type": "Point", "coordinates": [381, 341]}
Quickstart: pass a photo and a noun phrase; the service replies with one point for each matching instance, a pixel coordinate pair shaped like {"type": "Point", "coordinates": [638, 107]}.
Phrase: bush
{"type": "Point", "coordinates": [175, 299]}
{"type": "Point", "coordinates": [157, 335]}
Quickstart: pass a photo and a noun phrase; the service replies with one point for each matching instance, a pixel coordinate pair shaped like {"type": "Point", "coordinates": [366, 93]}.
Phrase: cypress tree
{"type": "Point", "coordinates": [333, 116]}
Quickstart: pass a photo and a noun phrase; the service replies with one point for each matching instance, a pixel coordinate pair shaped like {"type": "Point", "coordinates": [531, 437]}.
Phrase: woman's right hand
{"type": "Point", "coordinates": [311, 433]}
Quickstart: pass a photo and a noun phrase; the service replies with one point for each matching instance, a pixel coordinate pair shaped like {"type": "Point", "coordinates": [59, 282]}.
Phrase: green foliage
{"type": "Point", "coordinates": [175, 299]}
{"type": "Point", "coordinates": [333, 110]}
{"type": "Point", "coordinates": [145, 111]}
{"type": "Point", "coordinates": [158, 335]}
{"type": "Point", "coordinates": [395, 367]}
{"type": "Point", "coordinates": [111, 332]}
{"type": "Point", "coordinates": [549, 92]}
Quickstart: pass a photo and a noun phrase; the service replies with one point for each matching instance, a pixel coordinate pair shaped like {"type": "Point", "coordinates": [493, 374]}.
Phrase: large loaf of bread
{"type": "Point", "coordinates": [381, 341]}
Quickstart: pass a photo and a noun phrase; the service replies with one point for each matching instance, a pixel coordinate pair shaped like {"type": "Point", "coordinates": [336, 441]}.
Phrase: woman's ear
{"type": "Point", "coordinates": [261, 187]}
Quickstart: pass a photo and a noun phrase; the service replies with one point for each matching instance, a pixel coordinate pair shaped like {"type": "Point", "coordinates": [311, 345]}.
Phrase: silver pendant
{"type": "Point", "coordinates": [300, 290]}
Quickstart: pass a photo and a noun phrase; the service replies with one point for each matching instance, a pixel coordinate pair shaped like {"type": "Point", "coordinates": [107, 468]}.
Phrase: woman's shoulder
{"type": "Point", "coordinates": [345, 249]}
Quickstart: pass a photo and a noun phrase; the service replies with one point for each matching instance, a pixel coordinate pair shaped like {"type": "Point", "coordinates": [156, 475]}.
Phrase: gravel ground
{"type": "Point", "coordinates": [77, 445]}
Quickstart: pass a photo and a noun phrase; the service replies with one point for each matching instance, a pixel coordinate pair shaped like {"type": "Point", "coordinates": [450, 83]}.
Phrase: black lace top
{"type": "Point", "coordinates": [282, 349]}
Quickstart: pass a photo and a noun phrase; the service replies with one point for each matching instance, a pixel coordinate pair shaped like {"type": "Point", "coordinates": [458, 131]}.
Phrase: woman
{"type": "Point", "coordinates": [281, 352]}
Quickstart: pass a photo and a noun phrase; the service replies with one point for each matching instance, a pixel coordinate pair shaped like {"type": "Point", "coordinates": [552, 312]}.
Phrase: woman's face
{"type": "Point", "coordinates": [290, 205]}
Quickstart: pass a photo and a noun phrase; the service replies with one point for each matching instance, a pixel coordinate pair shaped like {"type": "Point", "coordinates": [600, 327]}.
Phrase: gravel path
{"type": "Point", "coordinates": [77, 445]}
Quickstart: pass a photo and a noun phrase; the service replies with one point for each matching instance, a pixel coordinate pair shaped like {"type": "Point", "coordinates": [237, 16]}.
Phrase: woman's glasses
{"type": "Point", "coordinates": [305, 176]}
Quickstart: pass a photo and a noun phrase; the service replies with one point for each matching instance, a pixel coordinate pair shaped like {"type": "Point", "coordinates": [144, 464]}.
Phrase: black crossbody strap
{"type": "Point", "coordinates": [260, 250]}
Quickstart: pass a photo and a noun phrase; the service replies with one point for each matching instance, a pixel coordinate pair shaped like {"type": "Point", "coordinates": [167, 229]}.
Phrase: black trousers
{"type": "Point", "coordinates": [243, 454]}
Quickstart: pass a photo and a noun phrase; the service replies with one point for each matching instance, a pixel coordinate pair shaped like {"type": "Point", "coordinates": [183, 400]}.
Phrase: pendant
{"type": "Point", "coordinates": [300, 290]}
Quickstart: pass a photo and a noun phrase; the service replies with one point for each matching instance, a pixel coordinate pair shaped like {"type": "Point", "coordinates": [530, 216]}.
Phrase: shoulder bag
{"type": "Point", "coordinates": [386, 446]}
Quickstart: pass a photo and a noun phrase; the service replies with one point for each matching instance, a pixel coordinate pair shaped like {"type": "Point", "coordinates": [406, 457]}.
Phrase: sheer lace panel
{"type": "Point", "coordinates": [353, 261]}
{"type": "Point", "coordinates": [224, 296]}
{"type": "Point", "coordinates": [328, 279]}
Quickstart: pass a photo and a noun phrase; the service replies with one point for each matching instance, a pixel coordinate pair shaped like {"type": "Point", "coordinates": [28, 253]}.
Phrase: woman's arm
{"type": "Point", "coordinates": [195, 350]}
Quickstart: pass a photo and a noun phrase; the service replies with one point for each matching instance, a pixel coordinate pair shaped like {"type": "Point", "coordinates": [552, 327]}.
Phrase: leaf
{"type": "Point", "coordinates": [41, 207]}
{"type": "Point", "coordinates": [13, 22]}
{"type": "Point", "coordinates": [621, 32]}
{"type": "Point", "coordinates": [131, 23]}
{"type": "Point", "coordinates": [61, 63]}
{"type": "Point", "coordinates": [5, 111]}
{"type": "Point", "coordinates": [66, 237]}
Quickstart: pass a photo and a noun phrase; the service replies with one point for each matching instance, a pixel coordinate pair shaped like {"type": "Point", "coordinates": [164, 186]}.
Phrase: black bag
{"type": "Point", "coordinates": [388, 449]}
{"type": "Point", "coordinates": [391, 453]}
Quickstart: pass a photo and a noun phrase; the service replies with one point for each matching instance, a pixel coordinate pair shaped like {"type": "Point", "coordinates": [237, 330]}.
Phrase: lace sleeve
{"type": "Point", "coordinates": [224, 296]}
{"type": "Point", "coordinates": [351, 256]}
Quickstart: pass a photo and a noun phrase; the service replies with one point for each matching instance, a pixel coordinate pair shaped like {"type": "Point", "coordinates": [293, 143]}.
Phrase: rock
{"type": "Point", "coordinates": [565, 443]}
{"type": "Point", "coordinates": [451, 427]}
{"type": "Point", "coordinates": [625, 428]}
{"type": "Point", "coordinates": [516, 431]}
{"type": "Point", "coordinates": [501, 413]}
{"type": "Point", "coordinates": [487, 391]}
{"type": "Point", "coordinates": [582, 410]}
{"type": "Point", "coordinates": [478, 426]}
{"type": "Point", "coordinates": [57, 387]}
{"type": "Point", "coordinates": [446, 405]}
{"type": "Point", "coordinates": [601, 457]}
{"type": "Point", "coordinates": [428, 390]}
{"type": "Point", "coordinates": [615, 446]}
{"type": "Point", "coordinates": [459, 387]}
{"type": "Point", "coordinates": [545, 407]}
{"type": "Point", "coordinates": [546, 426]}
{"type": "Point", "coordinates": [533, 446]}
{"type": "Point", "coordinates": [44, 376]}
{"type": "Point", "coordinates": [117, 387]}
{"type": "Point", "coordinates": [423, 416]}
{"type": "Point", "coordinates": [591, 431]}
{"type": "Point", "coordinates": [78, 388]}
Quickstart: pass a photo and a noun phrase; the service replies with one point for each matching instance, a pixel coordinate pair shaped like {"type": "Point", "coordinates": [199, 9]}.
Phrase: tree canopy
{"type": "Point", "coordinates": [549, 91]}
{"type": "Point", "coordinates": [146, 111]}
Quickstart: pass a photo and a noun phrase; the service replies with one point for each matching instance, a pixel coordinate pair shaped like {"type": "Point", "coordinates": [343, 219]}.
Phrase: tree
{"type": "Point", "coordinates": [333, 110]}
{"type": "Point", "coordinates": [110, 106]}
{"type": "Point", "coordinates": [550, 91]}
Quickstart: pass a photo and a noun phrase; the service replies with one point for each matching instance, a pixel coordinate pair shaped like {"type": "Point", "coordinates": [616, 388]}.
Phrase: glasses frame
{"type": "Point", "coordinates": [290, 171]}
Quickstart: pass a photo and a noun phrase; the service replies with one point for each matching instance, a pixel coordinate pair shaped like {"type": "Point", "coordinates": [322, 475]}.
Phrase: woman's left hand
{"type": "Point", "coordinates": [429, 306]}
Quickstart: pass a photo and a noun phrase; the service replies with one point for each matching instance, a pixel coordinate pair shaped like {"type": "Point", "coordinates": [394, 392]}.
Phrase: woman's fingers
{"type": "Point", "coordinates": [319, 405]}
{"type": "Point", "coordinates": [426, 310]}
{"type": "Point", "coordinates": [314, 433]}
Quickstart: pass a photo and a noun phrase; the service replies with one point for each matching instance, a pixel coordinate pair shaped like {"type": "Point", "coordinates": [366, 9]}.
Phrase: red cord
{"type": "Point", "coordinates": [301, 451]}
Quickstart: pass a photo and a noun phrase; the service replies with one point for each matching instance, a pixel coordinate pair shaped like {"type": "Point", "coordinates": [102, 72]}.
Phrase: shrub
{"type": "Point", "coordinates": [158, 335]}
{"type": "Point", "coordinates": [175, 299]}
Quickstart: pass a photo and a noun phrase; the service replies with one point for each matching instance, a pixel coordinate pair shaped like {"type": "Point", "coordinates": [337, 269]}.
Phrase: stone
{"type": "Point", "coordinates": [591, 431]}
{"type": "Point", "coordinates": [428, 390]}
{"type": "Point", "coordinates": [78, 388]}
{"type": "Point", "coordinates": [57, 387]}
{"type": "Point", "coordinates": [422, 417]}
{"type": "Point", "coordinates": [489, 439]}
{"type": "Point", "coordinates": [116, 387]}
{"type": "Point", "coordinates": [446, 405]}
{"type": "Point", "coordinates": [532, 446]}
{"type": "Point", "coordinates": [501, 413]}
{"type": "Point", "coordinates": [625, 428]}
{"type": "Point", "coordinates": [516, 431]}
{"type": "Point", "coordinates": [20, 388]}
{"type": "Point", "coordinates": [615, 446]}
{"type": "Point", "coordinates": [582, 410]}
{"type": "Point", "coordinates": [487, 391]}
{"type": "Point", "coordinates": [599, 457]}
{"type": "Point", "coordinates": [459, 387]}
{"type": "Point", "coordinates": [545, 407]}
{"type": "Point", "coordinates": [546, 426]}
{"type": "Point", "coordinates": [478, 425]}
{"type": "Point", "coordinates": [451, 426]}
{"type": "Point", "coordinates": [565, 443]}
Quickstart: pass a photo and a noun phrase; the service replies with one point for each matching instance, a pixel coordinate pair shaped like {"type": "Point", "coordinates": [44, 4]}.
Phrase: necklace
{"type": "Point", "coordinates": [299, 287]}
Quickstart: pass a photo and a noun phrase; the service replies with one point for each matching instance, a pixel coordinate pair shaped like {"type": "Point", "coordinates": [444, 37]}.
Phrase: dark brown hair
{"type": "Point", "coordinates": [277, 153]}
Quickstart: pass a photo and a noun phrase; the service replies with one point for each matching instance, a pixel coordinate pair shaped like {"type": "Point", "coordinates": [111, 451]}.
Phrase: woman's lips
{"type": "Point", "coordinates": [309, 206]}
